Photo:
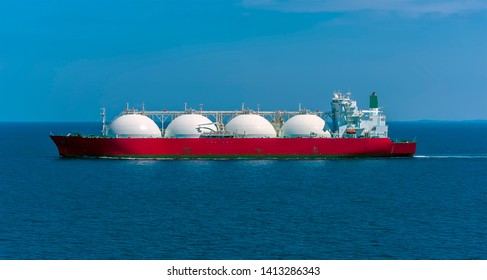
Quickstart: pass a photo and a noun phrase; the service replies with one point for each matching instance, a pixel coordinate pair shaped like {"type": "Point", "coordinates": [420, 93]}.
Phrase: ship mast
{"type": "Point", "coordinates": [104, 122]}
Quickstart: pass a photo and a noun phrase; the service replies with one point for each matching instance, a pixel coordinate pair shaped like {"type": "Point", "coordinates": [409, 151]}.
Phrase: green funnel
{"type": "Point", "coordinates": [374, 101]}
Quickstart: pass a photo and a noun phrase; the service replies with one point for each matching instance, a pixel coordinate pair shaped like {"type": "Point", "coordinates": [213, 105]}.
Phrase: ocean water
{"type": "Point", "coordinates": [431, 206]}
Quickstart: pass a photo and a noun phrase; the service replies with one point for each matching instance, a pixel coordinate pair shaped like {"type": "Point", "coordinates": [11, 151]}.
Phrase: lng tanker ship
{"type": "Point", "coordinates": [242, 134]}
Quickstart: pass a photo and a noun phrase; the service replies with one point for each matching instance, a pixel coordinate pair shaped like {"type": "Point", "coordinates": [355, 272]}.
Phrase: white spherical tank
{"type": "Point", "coordinates": [189, 126]}
{"type": "Point", "coordinates": [253, 126]}
{"type": "Point", "coordinates": [304, 126]}
{"type": "Point", "coordinates": [134, 125]}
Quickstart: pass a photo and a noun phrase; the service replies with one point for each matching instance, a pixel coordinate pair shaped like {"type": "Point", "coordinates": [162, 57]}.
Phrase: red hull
{"type": "Point", "coordinates": [76, 146]}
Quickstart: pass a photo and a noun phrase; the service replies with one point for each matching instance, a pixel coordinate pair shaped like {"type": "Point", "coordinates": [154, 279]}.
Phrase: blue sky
{"type": "Point", "coordinates": [64, 60]}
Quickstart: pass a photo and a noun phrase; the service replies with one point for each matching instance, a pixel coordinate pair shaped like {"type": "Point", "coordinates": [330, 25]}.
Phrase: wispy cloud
{"type": "Point", "coordinates": [415, 7]}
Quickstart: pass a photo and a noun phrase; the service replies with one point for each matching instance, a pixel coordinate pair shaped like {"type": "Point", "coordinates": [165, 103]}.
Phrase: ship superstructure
{"type": "Point", "coordinates": [349, 121]}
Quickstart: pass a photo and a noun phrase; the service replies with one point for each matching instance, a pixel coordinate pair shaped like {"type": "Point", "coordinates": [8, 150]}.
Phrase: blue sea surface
{"type": "Point", "coordinates": [431, 206]}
